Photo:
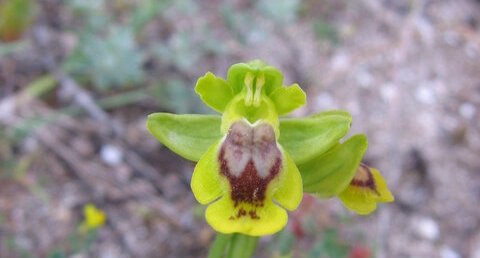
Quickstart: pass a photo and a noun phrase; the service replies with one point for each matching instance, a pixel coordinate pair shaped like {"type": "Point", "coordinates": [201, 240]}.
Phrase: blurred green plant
{"type": "Point", "coordinates": [109, 57]}
{"type": "Point", "coordinates": [11, 48]}
{"type": "Point", "coordinates": [282, 244]}
{"type": "Point", "coordinates": [185, 50]}
{"type": "Point", "coordinates": [113, 60]}
{"type": "Point", "coordinates": [180, 50]}
{"type": "Point", "coordinates": [146, 11]}
{"type": "Point", "coordinates": [107, 54]}
{"type": "Point", "coordinates": [174, 95]}
{"type": "Point", "coordinates": [330, 246]}
{"type": "Point", "coordinates": [244, 26]}
{"type": "Point", "coordinates": [325, 31]}
{"type": "Point", "coordinates": [92, 13]}
{"type": "Point", "coordinates": [15, 17]}
{"type": "Point", "coordinates": [280, 11]}
{"type": "Point", "coordinates": [248, 25]}
{"type": "Point", "coordinates": [12, 247]}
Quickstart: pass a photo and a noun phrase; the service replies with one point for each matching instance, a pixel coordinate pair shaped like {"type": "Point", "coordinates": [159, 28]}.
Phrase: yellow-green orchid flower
{"type": "Point", "coordinates": [252, 165]}
{"type": "Point", "coordinates": [364, 191]}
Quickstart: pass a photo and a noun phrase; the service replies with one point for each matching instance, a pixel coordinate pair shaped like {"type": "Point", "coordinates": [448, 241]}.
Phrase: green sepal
{"type": "Point", "coordinates": [214, 91]}
{"type": "Point", "coordinates": [287, 99]}
{"type": "Point", "coordinates": [189, 136]}
{"type": "Point", "coordinates": [330, 173]}
{"type": "Point", "coordinates": [236, 75]}
{"type": "Point", "coordinates": [306, 138]}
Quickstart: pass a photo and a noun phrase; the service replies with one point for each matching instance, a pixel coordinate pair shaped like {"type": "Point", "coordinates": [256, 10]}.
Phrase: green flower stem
{"type": "Point", "coordinates": [242, 246]}
{"type": "Point", "coordinates": [220, 245]}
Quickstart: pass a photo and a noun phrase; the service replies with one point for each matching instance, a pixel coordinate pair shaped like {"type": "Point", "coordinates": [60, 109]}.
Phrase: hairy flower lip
{"type": "Point", "coordinates": [249, 158]}
{"type": "Point", "coordinates": [253, 197]}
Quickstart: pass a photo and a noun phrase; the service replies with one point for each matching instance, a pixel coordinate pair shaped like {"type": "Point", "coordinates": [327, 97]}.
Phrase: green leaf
{"type": "Point", "coordinates": [189, 136]}
{"type": "Point", "coordinates": [214, 91]}
{"type": "Point", "coordinates": [329, 174]}
{"type": "Point", "coordinates": [306, 138]}
{"type": "Point", "coordinates": [287, 99]}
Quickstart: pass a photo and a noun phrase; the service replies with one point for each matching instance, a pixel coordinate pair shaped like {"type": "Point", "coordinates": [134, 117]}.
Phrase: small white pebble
{"type": "Point", "coordinates": [471, 50]}
{"type": "Point", "coordinates": [448, 252]}
{"type": "Point", "coordinates": [467, 110]}
{"type": "Point", "coordinates": [426, 228]}
{"type": "Point", "coordinates": [388, 92]}
{"type": "Point", "coordinates": [364, 79]}
{"type": "Point", "coordinates": [324, 101]}
{"type": "Point", "coordinates": [340, 61]}
{"type": "Point", "coordinates": [111, 155]}
{"type": "Point", "coordinates": [451, 38]}
{"type": "Point", "coordinates": [476, 253]}
{"type": "Point", "coordinates": [78, 256]}
{"type": "Point", "coordinates": [424, 95]}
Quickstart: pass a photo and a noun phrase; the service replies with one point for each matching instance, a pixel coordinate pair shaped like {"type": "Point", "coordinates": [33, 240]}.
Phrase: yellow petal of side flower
{"type": "Point", "coordinates": [366, 189]}
{"type": "Point", "coordinates": [94, 217]}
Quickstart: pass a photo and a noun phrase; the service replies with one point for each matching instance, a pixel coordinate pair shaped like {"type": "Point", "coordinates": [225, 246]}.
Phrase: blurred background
{"type": "Point", "coordinates": [79, 77]}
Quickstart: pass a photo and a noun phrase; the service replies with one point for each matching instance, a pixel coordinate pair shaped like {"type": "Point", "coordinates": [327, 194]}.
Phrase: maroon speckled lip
{"type": "Point", "coordinates": [250, 185]}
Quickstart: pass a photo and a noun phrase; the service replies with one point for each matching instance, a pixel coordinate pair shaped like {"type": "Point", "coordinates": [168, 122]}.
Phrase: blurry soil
{"type": "Point", "coordinates": [408, 71]}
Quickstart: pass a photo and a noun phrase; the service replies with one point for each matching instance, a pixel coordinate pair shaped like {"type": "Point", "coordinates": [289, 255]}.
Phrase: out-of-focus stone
{"type": "Point", "coordinates": [112, 155]}
{"type": "Point", "coordinates": [448, 252]}
{"type": "Point", "coordinates": [426, 228]}
{"type": "Point", "coordinates": [467, 110]}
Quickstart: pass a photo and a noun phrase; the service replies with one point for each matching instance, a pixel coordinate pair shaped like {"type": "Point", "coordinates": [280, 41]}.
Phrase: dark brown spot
{"type": "Point", "coordinates": [253, 214]}
{"type": "Point", "coordinates": [249, 158]}
{"type": "Point", "coordinates": [364, 178]}
{"type": "Point", "coordinates": [241, 212]}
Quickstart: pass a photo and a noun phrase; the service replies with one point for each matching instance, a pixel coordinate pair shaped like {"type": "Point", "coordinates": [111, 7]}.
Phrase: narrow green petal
{"type": "Point", "coordinates": [330, 173]}
{"type": "Point", "coordinates": [214, 91]}
{"type": "Point", "coordinates": [225, 218]}
{"type": "Point", "coordinates": [187, 135]}
{"type": "Point", "coordinates": [287, 99]}
{"type": "Point", "coordinates": [306, 138]}
{"type": "Point", "coordinates": [206, 181]}
{"type": "Point", "coordinates": [290, 191]}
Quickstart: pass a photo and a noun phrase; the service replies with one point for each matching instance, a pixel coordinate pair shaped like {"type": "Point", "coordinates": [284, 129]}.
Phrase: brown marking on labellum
{"type": "Point", "coordinates": [364, 178]}
{"type": "Point", "coordinates": [249, 158]}
{"type": "Point", "coordinates": [241, 212]}
{"type": "Point", "coordinates": [253, 214]}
